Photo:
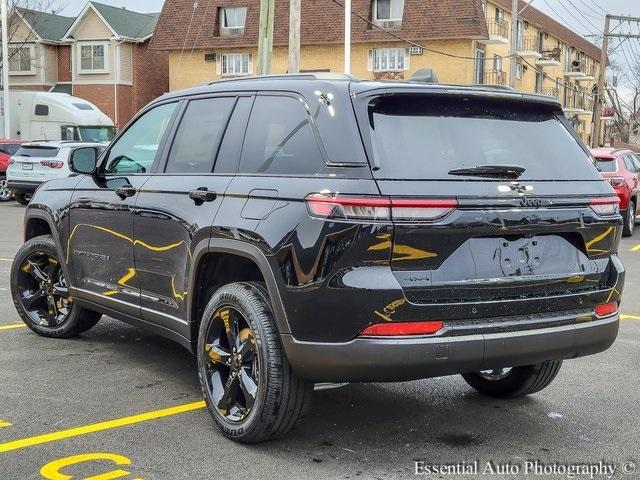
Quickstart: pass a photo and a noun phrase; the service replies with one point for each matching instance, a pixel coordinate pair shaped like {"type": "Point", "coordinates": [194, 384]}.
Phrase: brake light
{"type": "Point", "coordinates": [605, 206]}
{"type": "Point", "coordinates": [378, 208]}
{"type": "Point", "coordinates": [51, 164]}
{"type": "Point", "coordinates": [402, 328]}
{"type": "Point", "coordinates": [616, 181]}
{"type": "Point", "coordinates": [606, 309]}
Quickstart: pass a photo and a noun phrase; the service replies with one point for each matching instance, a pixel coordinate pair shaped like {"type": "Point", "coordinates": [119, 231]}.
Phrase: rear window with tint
{"type": "Point", "coordinates": [427, 136]}
{"type": "Point", "coordinates": [40, 152]}
{"type": "Point", "coordinates": [606, 164]}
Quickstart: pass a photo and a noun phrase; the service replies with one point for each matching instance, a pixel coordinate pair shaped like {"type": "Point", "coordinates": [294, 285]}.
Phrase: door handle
{"type": "Point", "coordinates": [125, 192]}
{"type": "Point", "coordinates": [201, 195]}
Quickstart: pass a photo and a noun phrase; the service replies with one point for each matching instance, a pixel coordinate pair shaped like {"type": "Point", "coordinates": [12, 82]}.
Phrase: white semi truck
{"type": "Point", "coordinates": [38, 116]}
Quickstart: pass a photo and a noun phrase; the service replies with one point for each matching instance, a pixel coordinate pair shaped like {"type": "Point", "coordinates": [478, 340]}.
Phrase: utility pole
{"type": "Point", "coordinates": [597, 112]}
{"type": "Point", "coordinates": [5, 69]}
{"type": "Point", "coordinates": [513, 66]}
{"type": "Point", "coordinates": [294, 36]}
{"type": "Point", "coordinates": [265, 41]}
{"type": "Point", "coordinates": [347, 36]}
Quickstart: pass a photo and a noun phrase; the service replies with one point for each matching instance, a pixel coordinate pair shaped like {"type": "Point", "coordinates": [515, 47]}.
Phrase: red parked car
{"type": "Point", "coordinates": [8, 148]}
{"type": "Point", "coordinates": [621, 167]}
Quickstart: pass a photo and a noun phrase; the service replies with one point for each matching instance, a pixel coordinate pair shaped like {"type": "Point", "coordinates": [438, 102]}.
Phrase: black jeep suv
{"type": "Point", "coordinates": [301, 229]}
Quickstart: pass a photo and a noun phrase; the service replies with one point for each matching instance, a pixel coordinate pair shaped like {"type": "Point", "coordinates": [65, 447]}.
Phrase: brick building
{"type": "Point", "coordinates": [101, 55]}
{"type": "Point", "coordinates": [463, 40]}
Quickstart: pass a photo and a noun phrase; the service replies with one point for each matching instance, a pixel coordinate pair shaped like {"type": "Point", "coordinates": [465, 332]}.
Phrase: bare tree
{"type": "Point", "coordinates": [17, 10]}
{"type": "Point", "coordinates": [626, 115]}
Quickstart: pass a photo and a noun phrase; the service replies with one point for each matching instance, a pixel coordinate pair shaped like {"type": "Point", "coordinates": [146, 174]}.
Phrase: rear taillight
{"type": "Point", "coordinates": [616, 181]}
{"type": "Point", "coordinates": [605, 206]}
{"type": "Point", "coordinates": [391, 329]}
{"type": "Point", "coordinates": [606, 309]}
{"type": "Point", "coordinates": [51, 164]}
{"type": "Point", "coordinates": [378, 208]}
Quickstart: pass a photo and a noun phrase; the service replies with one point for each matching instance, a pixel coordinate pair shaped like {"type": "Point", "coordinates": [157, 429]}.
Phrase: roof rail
{"type": "Point", "coordinates": [293, 76]}
{"type": "Point", "coordinates": [494, 87]}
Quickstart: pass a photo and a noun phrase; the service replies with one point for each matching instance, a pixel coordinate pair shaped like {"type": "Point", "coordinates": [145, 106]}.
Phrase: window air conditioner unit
{"type": "Point", "coordinates": [415, 50]}
{"type": "Point", "coordinates": [388, 24]}
{"type": "Point", "coordinates": [209, 57]}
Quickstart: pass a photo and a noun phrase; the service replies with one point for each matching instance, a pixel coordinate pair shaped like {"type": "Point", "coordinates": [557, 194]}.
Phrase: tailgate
{"type": "Point", "coordinates": [503, 246]}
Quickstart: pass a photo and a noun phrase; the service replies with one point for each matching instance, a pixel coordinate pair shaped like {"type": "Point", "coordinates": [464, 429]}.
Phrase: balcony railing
{"type": "Point", "coordinates": [551, 92]}
{"type": "Point", "coordinates": [585, 103]}
{"type": "Point", "coordinates": [528, 43]}
{"type": "Point", "coordinates": [495, 77]}
{"type": "Point", "coordinates": [498, 27]}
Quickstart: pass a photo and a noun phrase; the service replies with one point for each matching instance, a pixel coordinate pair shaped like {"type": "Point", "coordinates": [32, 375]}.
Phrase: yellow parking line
{"type": "Point", "coordinates": [636, 248]}
{"type": "Point", "coordinates": [629, 317]}
{"type": "Point", "coordinates": [98, 427]}
{"type": "Point", "coordinates": [5, 259]}
{"type": "Point", "coordinates": [12, 326]}
{"type": "Point", "coordinates": [4, 424]}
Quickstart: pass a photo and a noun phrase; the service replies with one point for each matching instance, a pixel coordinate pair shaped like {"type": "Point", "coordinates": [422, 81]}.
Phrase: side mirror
{"type": "Point", "coordinates": [84, 160]}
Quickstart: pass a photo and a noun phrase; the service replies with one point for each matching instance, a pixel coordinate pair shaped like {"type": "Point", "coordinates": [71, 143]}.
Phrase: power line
{"type": "Point", "coordinates": [583, 15]}
{"type": "Point", "coordinates": [598, 6]}
{"type": "Point", "coordinates": [204, 18]}
{"type": "Point", "coordinates": [595, 12]}
{"type": "Point", "coordinates": [587, 28]}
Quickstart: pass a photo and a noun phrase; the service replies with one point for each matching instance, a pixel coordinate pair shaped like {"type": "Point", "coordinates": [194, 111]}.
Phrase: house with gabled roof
{"type": "Point", "coordinates": [101, 55]}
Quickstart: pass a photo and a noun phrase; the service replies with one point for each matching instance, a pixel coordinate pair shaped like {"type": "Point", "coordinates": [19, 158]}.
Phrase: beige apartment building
{"type": "Point", "coordinates": [463, 41]}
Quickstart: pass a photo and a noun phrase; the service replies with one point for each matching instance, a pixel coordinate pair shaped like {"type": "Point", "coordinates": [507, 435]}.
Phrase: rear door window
{"type": "Point", "coordinates": [606, 164]}
{"type": "Point", "coordinates": [428, 136]}
{"type": "Point", "coordinates": [9, 148]}
{"type": "Point", "coordinates": [280, 139]}
{"type": "Point", "coordinates": [196, 142]}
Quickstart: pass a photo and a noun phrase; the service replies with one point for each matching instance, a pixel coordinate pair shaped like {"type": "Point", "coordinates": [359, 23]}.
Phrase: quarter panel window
{"type": "Point", "coordinates": [199, 134]}
{"type": "Point", "coordinates": [136, 150]}
{"type": "Point", "coordinates": [280, 139]}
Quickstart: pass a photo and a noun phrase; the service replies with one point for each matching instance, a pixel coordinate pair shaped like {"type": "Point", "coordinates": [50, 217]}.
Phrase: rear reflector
{"type": "Point", "coordinates": [379, 208]}
{"type": "Point", "coordinates": [605, 206]}
{"type": "Point", "coordinates": [402, 328]}
{"type": "Point", "coordinates": [616, 181]}
{"type": "Point", "coordinates": [606, 309]}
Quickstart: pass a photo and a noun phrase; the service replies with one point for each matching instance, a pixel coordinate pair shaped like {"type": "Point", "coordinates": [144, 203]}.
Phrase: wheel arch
{"type": "Point", "coordinates": [246, 252]}
{"type": "Point", "coordinates": [37, 223]}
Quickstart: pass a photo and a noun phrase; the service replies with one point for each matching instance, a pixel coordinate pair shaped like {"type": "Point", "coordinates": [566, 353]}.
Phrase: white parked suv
{"type": "Point", "coordinates": [37, 162]}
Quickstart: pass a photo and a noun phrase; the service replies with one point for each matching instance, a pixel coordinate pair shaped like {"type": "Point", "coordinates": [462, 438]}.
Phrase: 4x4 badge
{"type": "Point", "coordinates": [515, 187]}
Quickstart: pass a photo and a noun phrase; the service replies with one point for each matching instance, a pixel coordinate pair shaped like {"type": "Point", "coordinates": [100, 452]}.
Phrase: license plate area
{"type": "Point", "coordinates": [27, 166]}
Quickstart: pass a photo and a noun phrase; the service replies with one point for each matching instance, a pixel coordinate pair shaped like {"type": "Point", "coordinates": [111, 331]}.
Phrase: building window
{"type": "Point", "coordinates": [499, 16]}
{"type": "Point", "coordinates": [519, 71]}
{"type": "Point", "coordinates": [497, 63]}
{"type": "Point", "coordinates": [233, 17]}
{"type": "Point", "coordinates": [93, 57]}
{"type": "Point", "coordinates": [236, 64]}
{"type": "Point", "coordinates": [385, 10]}
{"type": "Point", "coordinates": [389, 59]}
{"type": "Point", "coordinates": [21, 59]}
{"type": "Point", "coordinates": [484, 7]}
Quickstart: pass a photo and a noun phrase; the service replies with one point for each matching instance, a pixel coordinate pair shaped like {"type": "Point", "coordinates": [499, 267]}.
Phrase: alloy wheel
{"type": "Point", "coordinates": [233, 364]}
{"type": "Point", "coordinates": [43, 291]}
{"type": "Point", "coordinates": [5, 193]}
{"type": "Point", "coordinates": [496, 374]}
{"type": "Point", "coordinates": [631, 218]}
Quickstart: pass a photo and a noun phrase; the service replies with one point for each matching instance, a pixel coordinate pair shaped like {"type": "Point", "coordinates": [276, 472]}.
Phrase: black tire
{"type": "Point", "coordinates": [5, 193]}
{"type": "Point", "coordinates": [281, 399]}
{"type": "Point", "coordinates": [70, 320]}
{"type": "Point", "coordinates": [520, 381]}
{"type": "Point", "coordinates": [22, 198]}
{"type": "Point", "coordinates": [629, 219]}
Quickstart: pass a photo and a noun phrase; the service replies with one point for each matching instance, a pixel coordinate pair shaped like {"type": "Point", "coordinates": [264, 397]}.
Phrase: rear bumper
{"type": "Point", "coordinates": [397, 359]}
{"type": "Point", "coordinates": [20, 186]}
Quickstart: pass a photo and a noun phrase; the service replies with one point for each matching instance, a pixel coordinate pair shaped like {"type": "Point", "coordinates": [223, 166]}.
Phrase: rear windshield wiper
{"type": "Point", "coordinates": [490, 171]}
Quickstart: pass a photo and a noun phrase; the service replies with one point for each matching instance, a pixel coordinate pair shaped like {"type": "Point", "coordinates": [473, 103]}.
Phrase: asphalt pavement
{"type": "Point", "coordinates": [118, 402]}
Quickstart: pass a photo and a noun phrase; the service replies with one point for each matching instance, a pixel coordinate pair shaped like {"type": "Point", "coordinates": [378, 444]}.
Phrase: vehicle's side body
{"type": "Point", "coordinates": [150, 243]}
{"type": "Point", "coordinates": [621, 168]}
{"type": "Point", "coordinates": [8, 148]}
{"type": "Point", "coordinates": [37, 162]}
